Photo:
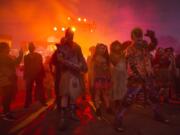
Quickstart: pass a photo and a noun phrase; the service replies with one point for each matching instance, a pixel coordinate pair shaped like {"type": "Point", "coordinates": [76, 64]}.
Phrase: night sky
{"type": "Point", "coordinates": [27, 20]}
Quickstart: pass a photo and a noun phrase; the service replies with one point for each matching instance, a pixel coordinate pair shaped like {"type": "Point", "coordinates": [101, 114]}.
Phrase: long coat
{"type": "Point", "coordinates": [73, 67]}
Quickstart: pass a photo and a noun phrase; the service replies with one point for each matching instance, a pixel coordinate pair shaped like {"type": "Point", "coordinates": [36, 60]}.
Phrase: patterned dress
{"type": "Point", "coordinates": [101, 71]}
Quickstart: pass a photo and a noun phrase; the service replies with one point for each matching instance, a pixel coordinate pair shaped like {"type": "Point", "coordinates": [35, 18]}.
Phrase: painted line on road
{"type": "Point", "coordinates": [28, 120]}
{"type": "Point", "coordinates": [92, 105]}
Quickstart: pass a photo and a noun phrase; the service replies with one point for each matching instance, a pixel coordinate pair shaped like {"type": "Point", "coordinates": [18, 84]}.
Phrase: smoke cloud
{"type": "Point", "coordinates": [114, 19]}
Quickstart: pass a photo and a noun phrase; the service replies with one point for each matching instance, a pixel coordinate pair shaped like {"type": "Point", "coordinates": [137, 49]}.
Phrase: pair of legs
{"type": "Point", "coordinates": [67, 103]}
{"type": "Point", "coordinates": [39, 91]}
{"type": "Point", "coordinates": [70, 90]}
{"type": "Point", "coordinates": [56, 88]}
{"type": "Point", "coordinates": [153, 98]}
{"type": "Point", "coordinates": [7, 98]}
{"type": "Point", "coordinates": [8, 95]}
{"type": "Point", "coordinates": [101, 94]}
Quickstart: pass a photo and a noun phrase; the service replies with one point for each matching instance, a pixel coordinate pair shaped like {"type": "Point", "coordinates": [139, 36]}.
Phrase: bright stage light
{"type": "Point", "coordinates": [55, 29]}
{"type": "Point", "coordinates": [79, 19]}
{"type": "Point", "coordinates": [63, 29]}
{"type": "Point", "coordinates": [73, 29]}
{"type": "Point", "coordinates": [69, 18]}
{"type": "Point", "coordinates": [85, 20]}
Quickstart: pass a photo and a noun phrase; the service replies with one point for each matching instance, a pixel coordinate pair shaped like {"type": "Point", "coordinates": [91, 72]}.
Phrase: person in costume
{"type": "Point", "coordinates": [119, 72]}
{"type": "Point", "coordinates": [140, 76]}
{"type": "Point", "coordinates": [73, 68]}
{"type": "Point", "coordinates": [101, 78]}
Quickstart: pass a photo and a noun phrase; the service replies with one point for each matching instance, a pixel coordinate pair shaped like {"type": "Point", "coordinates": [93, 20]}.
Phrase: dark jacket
{"type": "Point", "coordinates": [33, 66]}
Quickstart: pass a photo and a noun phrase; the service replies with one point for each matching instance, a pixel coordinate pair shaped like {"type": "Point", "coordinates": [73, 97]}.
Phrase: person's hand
{"type": "Point", "coordinates": [150, 33]}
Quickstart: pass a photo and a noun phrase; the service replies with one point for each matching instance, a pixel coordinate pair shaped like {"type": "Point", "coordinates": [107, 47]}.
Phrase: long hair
{"type": "Point", "coordinates": [106, 54]}
{"type": "Point", "coordinates": [122, 49]}
{"type": "Point", "coordinates": [113, 44]}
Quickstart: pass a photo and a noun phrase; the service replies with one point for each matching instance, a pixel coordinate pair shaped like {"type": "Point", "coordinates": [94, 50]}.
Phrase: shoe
{"type": "Point", "coordinates": [9, 117]}
{"type": "Point", "coordinates": [74, 117]}
{"type": "Point", "coordinates": [161, 118]}
{"type": "Point", "coordinates": [119, 129]}
{"type": "Point", "coordinates": [98, 114]}
{"type": "Point", "coordinates": [118, 126]}
{"type": "Point", "coordinates": [62, 123]}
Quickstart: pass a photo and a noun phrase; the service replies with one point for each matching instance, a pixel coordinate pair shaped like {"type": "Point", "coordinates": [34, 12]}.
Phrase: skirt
{"type": "Point", "coordinates": [102, 83]}
{"type": "Point", "coordinates": [70, 85]}
{"type": "Point", "coordinates": [119, 88]}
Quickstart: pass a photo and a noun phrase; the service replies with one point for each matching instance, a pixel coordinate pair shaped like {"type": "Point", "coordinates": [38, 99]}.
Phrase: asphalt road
{"type": "Point", "coordinates": [38, 120]}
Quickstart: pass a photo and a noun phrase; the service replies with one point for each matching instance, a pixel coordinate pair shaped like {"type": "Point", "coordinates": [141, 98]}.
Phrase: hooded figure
{"type": "Point", "coordinates": [73, 67]}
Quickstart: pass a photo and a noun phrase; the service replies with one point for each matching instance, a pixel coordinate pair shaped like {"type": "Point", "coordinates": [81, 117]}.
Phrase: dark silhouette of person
{"type": "Point", "coordinates": [90, 67]}
{"type": "Point", "coordinates": [177, 79]}
{"type": "Point", "coordinates": [8, 78]}
{"type": "Point", "coordinates": [34, 74]}
{"type": "Point", "coordinates": [55, 69]}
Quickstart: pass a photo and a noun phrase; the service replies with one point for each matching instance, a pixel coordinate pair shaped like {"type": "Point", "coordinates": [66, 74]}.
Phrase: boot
{"type": "Point", "coordinates": [159, 117]}
{"type": "Point", "coordinates": [73, 115]}
{"type": "Point", "coordinates": [98, 114]}
{"type": "Point", "coordinates": [62, 122]}
{"type": "Point", "coordinates": [118, 125]}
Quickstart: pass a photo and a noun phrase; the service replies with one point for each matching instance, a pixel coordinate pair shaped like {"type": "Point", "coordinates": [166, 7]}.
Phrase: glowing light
{"type": "Point", "coordinates": [79, 19]}
{"type": "Point", "coordinates": [73, 29]}
{"type": "Point", "coordinates": [55, 29]}
{"type": "Point", "coordinates": [51, 47]}
{"type": "Point", "coordinates": [91, 30]}
{"type": "Point", "coordinates": [69, 18]}
{"type": "Point", "coordinates": [85, 20]}
{"type": "Point", "coordinates": [63, 29]}
{"type": "Point", "coordinates": [52, 39]}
